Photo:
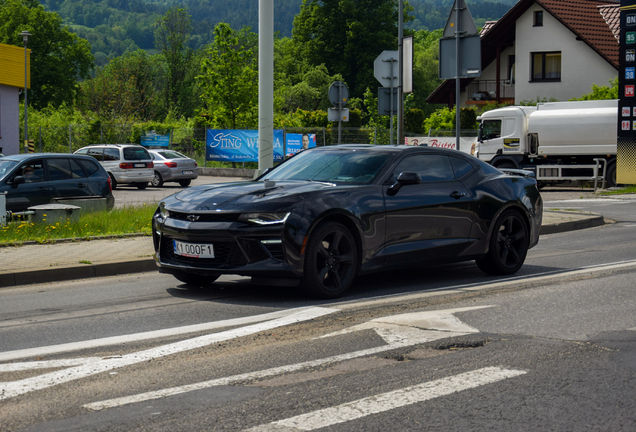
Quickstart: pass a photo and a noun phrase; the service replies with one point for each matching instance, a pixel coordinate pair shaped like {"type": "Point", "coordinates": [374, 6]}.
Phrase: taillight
{"type": "Point", "coordinates": [196, 164]}
{"type": "Point", "coordinates": [110, 184]}
{"type": "Point", "coordinates": [150, 165]}
{"type": "Point", "coordinates": [170, 164]}
{"type": "Point", "coordinates": [125, 165]}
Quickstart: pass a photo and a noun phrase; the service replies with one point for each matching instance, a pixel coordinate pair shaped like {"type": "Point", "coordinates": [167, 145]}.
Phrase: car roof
{"type": "Point", "coordinates": [390, 148]}
{"type": "Point", "coordinates": [25, 156]}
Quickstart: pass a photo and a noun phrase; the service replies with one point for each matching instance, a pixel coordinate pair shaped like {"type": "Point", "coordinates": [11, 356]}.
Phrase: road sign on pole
{"type": "Point", "coordinates": [338, 96]}
{"type": "Point", "coordinates": [384, 69]}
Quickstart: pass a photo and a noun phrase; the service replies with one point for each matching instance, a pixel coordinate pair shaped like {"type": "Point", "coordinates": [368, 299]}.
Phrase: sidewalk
{"type": "Point", "coordinates": [38, 263]}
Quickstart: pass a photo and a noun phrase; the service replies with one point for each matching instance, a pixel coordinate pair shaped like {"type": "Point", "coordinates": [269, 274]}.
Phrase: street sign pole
{"type": "Point", "coordinates": [457, 79]}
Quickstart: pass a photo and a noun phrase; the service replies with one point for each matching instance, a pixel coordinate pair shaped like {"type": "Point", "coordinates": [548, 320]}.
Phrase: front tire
{"type": "Point", "coordinates": [157, 181]}
{"type": "Point", "coordinates": [508, 245]}
{"type": "Point", "coordinates": [195, 279]}
{"type": "Point", "coordinates": [331, 261]}
{"type": "Point", "coordinates": [610, 175]}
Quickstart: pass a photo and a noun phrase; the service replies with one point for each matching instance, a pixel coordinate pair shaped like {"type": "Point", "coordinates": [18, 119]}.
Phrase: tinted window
{"type": "Point", "coordinates": [338, 166]}
{"type": "Point", "coordinates": [111, 154]}
{"type": "Point", "coordinates": [136, 153]}
{"type": "Point", "coordinates": [6, 166]}
{"type": "Point", "coordinates": [32, 171]}
{"type": "Point", "coordinates": [430, 167]}
{"type": "Point", "coordinates": [90, 167]}
{"type": "Point", "coordinates": [59, 169]}
{"type": "Point", "coordinates": [76, 169]}
{"type": "Point", "coordinates": [461, 167]}
{"type": "Point", "coordinates": [97, 153]}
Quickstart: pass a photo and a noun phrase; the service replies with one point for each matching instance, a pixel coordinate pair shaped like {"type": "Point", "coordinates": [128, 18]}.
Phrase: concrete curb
{"type": "Point", "coordinates": [572, 221]}
{"type": "Point", "coordinates": [71, 272]}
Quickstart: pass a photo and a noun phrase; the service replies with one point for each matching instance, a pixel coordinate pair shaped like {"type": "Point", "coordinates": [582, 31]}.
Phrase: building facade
{"type": "Point", "coordinates": [11, 85]}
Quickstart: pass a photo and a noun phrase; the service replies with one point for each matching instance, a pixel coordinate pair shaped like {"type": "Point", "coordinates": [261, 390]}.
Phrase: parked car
{"type": "Point", "coordinates": [129, 164]}
{"type": "Point", "coordinates": [330, 213]}
{"type": "Point", "coordinates": [172, 166]}
{"type": "Point", "coordinates": [41, 178]}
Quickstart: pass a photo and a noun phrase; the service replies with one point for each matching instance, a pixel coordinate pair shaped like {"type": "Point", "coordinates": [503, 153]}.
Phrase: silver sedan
{"type": "Point", "coordinates": [172, 166]}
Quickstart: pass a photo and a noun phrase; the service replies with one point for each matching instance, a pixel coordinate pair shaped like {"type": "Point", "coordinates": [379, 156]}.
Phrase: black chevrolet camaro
{"type": "Point", "coordinates": [329, 213]}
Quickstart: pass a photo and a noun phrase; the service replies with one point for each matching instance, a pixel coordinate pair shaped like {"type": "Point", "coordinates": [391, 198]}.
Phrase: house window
{"type": "Point", "coordinates": [546, 66]}
{"type": "Point", "coordinates": [511, 69]}
{"type": "Point", "coordinates": [538, 18]}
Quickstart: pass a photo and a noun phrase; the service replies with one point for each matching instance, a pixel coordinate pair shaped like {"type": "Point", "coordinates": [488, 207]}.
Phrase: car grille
{"type": "Point", "coordinates": [227, 255]}
{"type": "Point", "coordinates": [206, 217]}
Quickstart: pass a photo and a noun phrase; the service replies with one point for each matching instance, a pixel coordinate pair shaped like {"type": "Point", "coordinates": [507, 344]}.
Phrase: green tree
{"type": "Point", "coordinates": [444, 118]}
{"type": "Point", "coordinates": [58, 57]}
{"type": "Point", "coordinates": [602, 92]}
{"type": "Point", "coordinates": [171, 37]}
{"type": "Point", "coordinates": [347, 36]}
{"type": "Point", "coordinates": [229, 80]}
{"type": "Point", "coordinates": [123, 90]}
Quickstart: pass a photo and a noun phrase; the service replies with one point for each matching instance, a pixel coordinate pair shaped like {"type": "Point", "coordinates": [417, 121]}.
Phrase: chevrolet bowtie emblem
{"type": "Point", "coordinates": [192, 218]}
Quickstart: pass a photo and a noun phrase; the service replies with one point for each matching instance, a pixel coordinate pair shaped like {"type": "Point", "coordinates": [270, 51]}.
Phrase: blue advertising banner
{"type": "Point", "coordinates": [152, 139]}
{"type": "Point", "coordinates": [296, 142]}
{"type": "Point", "coordinates": [226, 145]}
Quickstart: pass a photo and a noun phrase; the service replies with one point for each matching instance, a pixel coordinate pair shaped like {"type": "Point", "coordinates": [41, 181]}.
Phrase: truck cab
{"type": "Point", "coordinates": [503, 134]}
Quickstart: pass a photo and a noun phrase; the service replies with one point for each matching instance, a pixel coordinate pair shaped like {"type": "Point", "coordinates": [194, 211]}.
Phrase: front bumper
{"type": "Point", "coordinates": [239, 249]}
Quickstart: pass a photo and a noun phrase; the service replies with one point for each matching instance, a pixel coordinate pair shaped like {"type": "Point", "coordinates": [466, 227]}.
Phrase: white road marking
{"type": "Point", "coordinates": [396, 335]}
{"type": "Point", "coordinates": [92, 366]}
{"type": "Point", "coordinates": [388, 401]}
{"type": "Point", "coordinates": [135, 337]}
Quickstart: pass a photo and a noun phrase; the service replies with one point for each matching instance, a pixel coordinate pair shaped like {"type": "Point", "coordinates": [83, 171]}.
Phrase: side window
{"type": "Point", "coordinates": [90, 167]}
{"type": "Point", "coordinates": [32, 171]}
{"type": "Point", "coordinates": [97, 153]}
{"type": "Point", "coordinates": [461, 167]}
{"type": "Point", "coordinates": [82, 151]}
{"type": "Point", "coordinates": [76, 169]}
{"type": "Point", "coordinates": [111, 154]}
{"type": "Point", "coordinates": [491, 129]}
{"type": "Point", "coordinates": [59, 169]}
{"type": "Point", "coordinates": [431, 168]}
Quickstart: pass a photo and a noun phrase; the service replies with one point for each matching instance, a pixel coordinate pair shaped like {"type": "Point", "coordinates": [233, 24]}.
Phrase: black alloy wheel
{"type": "Point", "coordinates": [157, 181]}
{"type": "Point", "coordinates": [331, 261]}
{"type": "Point", "coordinates": [508, 245]}
{"type": "Point", "coordinates": [195, 279]}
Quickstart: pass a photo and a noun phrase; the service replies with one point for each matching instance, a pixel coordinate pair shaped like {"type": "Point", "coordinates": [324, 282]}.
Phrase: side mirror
{"type": "Point", "coordinates": [16, 181]}
{"type": "Point", "coordinates": [405, 178]}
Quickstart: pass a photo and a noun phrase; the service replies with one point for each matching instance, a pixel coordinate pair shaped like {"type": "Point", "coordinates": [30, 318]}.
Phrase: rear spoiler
{"type": "Point", "coordinates": [518, 172]}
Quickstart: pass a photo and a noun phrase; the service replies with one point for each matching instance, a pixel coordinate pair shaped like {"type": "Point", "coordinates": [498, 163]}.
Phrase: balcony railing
{"type": "Point", "coordinates": [486, 90]}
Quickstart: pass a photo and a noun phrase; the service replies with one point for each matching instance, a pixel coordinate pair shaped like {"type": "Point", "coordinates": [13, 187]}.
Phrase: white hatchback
{"type": "Point", "coordinates": [129, 164]}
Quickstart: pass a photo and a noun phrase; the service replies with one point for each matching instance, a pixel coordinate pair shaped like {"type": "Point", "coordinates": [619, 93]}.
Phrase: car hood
{"type": "Point", "coordinates": [241, 195]}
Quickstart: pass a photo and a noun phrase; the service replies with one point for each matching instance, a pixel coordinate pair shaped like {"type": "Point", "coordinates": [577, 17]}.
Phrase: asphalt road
{"type": "Point", "coordinates": [444, 348]}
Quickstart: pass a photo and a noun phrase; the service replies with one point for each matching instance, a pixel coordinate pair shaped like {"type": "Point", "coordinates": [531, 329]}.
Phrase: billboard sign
{"type": "Point", "coordinates": [226, 145]}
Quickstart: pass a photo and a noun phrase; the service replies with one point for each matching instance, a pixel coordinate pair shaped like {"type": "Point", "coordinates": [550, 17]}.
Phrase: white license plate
{"type": "Point", "coordinates": [139, 165]}
{"type": "Point", "coordinates": [186, 172]}
{"type": "Point", "coordinates": [193, 250]}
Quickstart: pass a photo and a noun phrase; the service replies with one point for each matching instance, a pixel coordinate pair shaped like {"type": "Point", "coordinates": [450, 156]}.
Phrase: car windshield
{"type": "Point", "coordinates": [136, 153]}
{"type": "Point", "coordinates": [342, 166]}
{"type": "Point", "coordinates": [6, 165]}
{"type": "Point", "coordinates": [172, 155]}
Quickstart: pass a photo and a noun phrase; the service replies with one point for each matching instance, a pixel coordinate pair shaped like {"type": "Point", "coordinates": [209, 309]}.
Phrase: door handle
{"type": "Point", "coordinates": [81, 185]}
{"type": "Point", "coordinates": [457, 194]}
{"type": "Point", "coordinates": [42, 188]}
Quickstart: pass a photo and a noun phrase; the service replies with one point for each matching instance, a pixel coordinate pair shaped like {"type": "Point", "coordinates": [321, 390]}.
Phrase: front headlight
{"type": "Point", "coordinates": [164, 213]}
{"type": "Point", "coordinates": [264, 218]}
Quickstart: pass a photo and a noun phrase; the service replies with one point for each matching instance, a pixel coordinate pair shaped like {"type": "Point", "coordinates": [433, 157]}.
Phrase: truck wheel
{"type": "Point", "coordinates": [507, 164]}
{"type": "Point", "coordinates": [610, 176]}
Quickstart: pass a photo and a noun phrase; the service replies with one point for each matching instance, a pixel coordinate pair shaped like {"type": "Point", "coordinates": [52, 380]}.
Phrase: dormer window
{"type": "Point", "coordinates": [538, 18]}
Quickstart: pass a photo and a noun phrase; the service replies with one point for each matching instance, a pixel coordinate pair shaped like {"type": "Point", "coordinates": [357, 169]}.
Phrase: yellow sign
{"type": "Point", "coordinates": [12, 66]}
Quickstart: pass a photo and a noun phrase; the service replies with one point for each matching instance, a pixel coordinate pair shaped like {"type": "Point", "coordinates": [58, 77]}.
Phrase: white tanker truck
{"type": "Point", "coordinates": [559, 141]}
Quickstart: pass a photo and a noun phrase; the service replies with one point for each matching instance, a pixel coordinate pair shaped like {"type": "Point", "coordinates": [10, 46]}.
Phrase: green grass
{"type": "Point", "coordinates": [116, 222]}
{"type": "Point", "coordinates": [625, 190]}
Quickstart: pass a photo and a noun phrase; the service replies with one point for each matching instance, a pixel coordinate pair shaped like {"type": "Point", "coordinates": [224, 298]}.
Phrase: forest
{"type": "Point", "coordinates": [115, 26]}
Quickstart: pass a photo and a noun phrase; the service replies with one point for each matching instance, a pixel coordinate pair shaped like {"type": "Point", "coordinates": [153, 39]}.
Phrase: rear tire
{"type": "Point", "coordinates": [142, 185]}
{"type": "Point", "coordinates": [157, 181]}
{"type": "Point", "coordinates": [113, 182]}
{"type": "Point", "coordinates": [195, 279]}
{"type": "Point", "coordinates": [331, 261]}
{"type": "Point", "coordinates": [508, 245]}
{"type": "Point", "coordinates": [185, 183]}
